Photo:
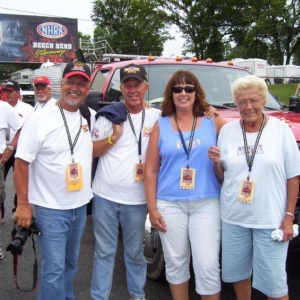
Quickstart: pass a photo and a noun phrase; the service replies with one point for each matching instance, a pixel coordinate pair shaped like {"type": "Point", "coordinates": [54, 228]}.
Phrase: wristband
{"type": "Point", "coordinates": [290, 214]}
{"type": "Point", "coordinates": [109, 141]}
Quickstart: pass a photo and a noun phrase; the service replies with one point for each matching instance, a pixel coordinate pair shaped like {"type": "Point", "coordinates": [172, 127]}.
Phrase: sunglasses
{"type": "Point", "coordinates": [187, 89]}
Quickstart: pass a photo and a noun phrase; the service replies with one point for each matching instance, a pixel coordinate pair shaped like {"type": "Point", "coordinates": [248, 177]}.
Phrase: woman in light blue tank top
{"type": "Point", "coordinates": [181, 188]}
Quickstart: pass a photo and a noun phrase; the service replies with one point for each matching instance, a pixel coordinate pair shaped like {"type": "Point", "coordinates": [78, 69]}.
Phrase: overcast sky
{"type": "Point", "coordinates": [77, 9]}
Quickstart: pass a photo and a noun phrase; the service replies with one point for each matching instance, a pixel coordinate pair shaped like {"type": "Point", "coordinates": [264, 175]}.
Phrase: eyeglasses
{"type": "Point", "coordinates": [187, 89]}
{"type": "Point", "coordinates": [80, 84]}
{"type": "Point", "coordinates": [244, 103]}
{"type": "Point", "coordinates": [8, 91]}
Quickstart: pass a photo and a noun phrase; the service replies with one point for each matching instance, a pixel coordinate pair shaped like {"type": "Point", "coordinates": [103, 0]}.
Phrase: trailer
{"type": "Point", "coordinates": [282, 73]}
{"type": "Point", "coordinates": [256, 66]}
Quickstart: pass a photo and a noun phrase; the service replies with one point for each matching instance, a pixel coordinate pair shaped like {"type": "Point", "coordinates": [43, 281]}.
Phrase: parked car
{"type": "Point", "coordinates": [294, 79]}
{"type": "Point", "coordinates": [216, 79]}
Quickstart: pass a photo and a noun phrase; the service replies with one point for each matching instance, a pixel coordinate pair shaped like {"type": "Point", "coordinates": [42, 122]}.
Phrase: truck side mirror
{"type": "Point", "coordinates": [294, 104]}
{"type": "Point", "coordinates": [94, 99]}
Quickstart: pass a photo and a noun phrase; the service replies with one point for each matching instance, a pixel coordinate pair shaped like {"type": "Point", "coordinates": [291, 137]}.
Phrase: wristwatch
{"type": "Point", "coordinates": [10, 147]}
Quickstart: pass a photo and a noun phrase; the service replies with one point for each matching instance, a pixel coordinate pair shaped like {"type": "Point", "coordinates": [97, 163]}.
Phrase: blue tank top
{"type": "Point", "coordinates": [173, 158]}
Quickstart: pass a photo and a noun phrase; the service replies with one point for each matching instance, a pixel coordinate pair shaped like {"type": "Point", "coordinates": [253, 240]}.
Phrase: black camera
{"type": "Point", "coordinates": [20, 237]}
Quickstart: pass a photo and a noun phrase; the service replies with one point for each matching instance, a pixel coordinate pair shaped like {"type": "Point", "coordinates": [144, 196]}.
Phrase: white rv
{"type": "Point", "coordinates": [282, 73]}
{"type": "Point", "coordinates": [256, 66]}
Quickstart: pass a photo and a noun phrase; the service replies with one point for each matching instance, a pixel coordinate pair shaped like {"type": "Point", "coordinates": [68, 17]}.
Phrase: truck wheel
{"type": "Point", "coordinates": [153, 253]}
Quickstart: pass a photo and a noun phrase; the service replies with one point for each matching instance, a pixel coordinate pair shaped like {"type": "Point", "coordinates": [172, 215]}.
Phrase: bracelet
{"type": "Point", "coordinates": [109, 141]}
{"type": "Point", "coordinates": [290, 214]}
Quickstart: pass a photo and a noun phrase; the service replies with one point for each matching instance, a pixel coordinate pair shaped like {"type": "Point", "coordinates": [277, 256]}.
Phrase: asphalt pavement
{"type": "Point", "coordinates": [158, 290]}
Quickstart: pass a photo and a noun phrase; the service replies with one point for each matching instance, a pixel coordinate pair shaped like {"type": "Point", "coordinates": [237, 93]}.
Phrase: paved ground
{"type": "Point", "coordinates": [154, 290]}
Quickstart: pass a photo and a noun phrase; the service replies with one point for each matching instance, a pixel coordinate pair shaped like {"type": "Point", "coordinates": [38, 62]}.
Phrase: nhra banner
{"type": "Point", "coordinates": [37, 39]}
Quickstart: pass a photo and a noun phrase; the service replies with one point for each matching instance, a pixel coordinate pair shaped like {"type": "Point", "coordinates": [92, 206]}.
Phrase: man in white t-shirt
{"type": "Point", "coordinates": [118, 186]}
{"type": "Point", "coordinates": [43, 92]}
{"type": "Point", "coordinates": [53, 172]}
{"type": "Point", "coordinates": [8, 119]}
{"type": "Point", "coordinates": [13, 97]}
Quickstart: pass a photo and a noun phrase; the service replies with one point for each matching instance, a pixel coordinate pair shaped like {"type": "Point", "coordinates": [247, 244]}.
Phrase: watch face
{"type": "Point", "coordinates": [12, 148]}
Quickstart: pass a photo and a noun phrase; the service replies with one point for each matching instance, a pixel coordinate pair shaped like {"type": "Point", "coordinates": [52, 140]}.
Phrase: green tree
{"type": "Point", "coordinates": [206, 25]}
{"type": "Point", "coordinates": [131, 26]}
{"type": "Point", "coordinates": [268, 29]}
{"type": "Point", "coordinates": [85, 37]}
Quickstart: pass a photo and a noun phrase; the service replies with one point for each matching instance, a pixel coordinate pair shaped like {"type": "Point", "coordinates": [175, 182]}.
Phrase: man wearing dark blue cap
{"type": "Point", "coordinates": [118, 186]}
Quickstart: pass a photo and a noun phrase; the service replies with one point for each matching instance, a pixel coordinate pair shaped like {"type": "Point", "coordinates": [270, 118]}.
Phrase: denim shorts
{"type": "Point", "coordinates": [247, 250]}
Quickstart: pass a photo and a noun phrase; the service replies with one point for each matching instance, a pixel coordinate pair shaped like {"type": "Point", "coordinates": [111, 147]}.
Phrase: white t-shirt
{"type": "Point", "coordinates": [8, 119]}
{"type": "Point", "coordinates": [44, 144]}
{"type": "Point", "coordinates": [23, 110]}
{"type": "Point", "coordinates": [114, 178]}
{"type": "Point", "coordinates": [39, 105]}
{"type": "Point", "coordinates": [277, 159]}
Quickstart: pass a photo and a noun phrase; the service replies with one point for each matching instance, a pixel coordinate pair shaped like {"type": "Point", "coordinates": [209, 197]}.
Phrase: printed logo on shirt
{"type": "Point", "coordinates": [241, 150]}
{"type": "Point", "coordinates": [95, 134]}
{"type": "Point", "coordinates": [85, 127]}
{"type": "Point", "coordinates": [147, 131]}
{"type": "Point", "coordinates": [194, 143]}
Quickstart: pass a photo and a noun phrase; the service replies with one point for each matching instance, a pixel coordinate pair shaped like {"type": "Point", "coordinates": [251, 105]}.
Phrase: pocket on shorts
{"type": "Point", "coordinates": [160, 205]}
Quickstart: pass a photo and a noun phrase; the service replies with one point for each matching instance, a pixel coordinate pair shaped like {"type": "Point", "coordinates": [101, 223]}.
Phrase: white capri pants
{"type": "Point", "coordinates": [196, 226]}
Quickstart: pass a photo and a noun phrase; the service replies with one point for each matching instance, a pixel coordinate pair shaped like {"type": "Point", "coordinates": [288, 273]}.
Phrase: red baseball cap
{"type": "Point", "coordinates": [43, 80]}
{"type": "Point", "coordinates": [77, 68]}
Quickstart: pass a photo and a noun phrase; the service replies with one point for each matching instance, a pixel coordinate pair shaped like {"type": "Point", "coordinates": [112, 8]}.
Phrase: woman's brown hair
{"type": "Point", "coordinates": [184, 77]}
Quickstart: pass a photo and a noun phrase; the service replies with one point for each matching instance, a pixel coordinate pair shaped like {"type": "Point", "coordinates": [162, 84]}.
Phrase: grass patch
{"type": "Point", "coordinates": [283, 91]}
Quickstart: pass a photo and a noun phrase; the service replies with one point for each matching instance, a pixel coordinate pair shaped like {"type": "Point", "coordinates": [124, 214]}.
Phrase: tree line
{"type": "Point", "coordinates": [221, 30]}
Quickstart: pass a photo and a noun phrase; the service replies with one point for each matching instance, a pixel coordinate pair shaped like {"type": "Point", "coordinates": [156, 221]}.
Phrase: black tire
{"type": "Point", "coordinates": [154, 256]}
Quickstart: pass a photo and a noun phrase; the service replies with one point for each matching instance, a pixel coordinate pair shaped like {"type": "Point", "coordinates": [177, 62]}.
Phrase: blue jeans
{"type": "Point", "coordinates": [60, 245]}
{"type": "Point", "coordinates": [106, 217]}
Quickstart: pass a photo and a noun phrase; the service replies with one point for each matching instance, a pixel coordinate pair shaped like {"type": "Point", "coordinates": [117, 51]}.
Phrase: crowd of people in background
{"type": "Point", "coordinates": [203, 182]}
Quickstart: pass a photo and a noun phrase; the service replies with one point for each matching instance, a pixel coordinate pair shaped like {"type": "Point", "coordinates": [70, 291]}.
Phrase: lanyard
{"type": "Point", "coordinates": [139, 141]}
{"type": "Point", "coordinates": [187, 151]}
{"type": "Point", "coordinates": [72, 145]}
{"type": "Point", "coordinates": [37, 105]}
{"type": "Point", "coordinates": [248, 158]}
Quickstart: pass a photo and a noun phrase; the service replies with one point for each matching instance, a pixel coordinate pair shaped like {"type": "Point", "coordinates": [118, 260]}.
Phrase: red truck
{"type": "Point", "coordinates": [216, 79]}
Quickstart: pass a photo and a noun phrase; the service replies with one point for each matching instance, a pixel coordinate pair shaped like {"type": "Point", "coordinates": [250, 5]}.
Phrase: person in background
{"type": "Point", "coordinates": [258, 163]}
{"type": "Point", "coordinates": [43, 92]}
{"type": "Point", "coordinates": [181, 189]}
{"type": "Point", "coordinates": [9, 119]}
{"type": "Point", "coordinates": [297, 92]}
{"type": "Point", "coordinates": [12, 91]}
{"type": "Point", "coordinates": [53, 172]}
{"type": "Point", "coordinates": [3, 95]}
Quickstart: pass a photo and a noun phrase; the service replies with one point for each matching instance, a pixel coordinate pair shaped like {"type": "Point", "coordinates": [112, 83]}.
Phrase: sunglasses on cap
{"type": "Point", "coordinates": [187, 89]}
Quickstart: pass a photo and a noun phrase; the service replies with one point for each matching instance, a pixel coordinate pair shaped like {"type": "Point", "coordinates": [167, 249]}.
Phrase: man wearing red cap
{"type": "Point", "coordinates": [53, 172]}
{"type": "Point", "coordinates": [42, 90]}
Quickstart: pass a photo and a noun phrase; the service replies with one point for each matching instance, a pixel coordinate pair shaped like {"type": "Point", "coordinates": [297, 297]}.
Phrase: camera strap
{"type": "Point", "coordinates": [35, 270]}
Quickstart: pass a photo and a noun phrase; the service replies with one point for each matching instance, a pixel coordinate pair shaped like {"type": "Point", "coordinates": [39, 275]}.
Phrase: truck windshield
{"type": "Point", "coordinates": [215, 80]}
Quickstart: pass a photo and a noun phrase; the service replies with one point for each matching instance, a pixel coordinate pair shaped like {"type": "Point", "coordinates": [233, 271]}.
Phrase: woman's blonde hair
{"type": "Point", "coordinates": [248, 82]}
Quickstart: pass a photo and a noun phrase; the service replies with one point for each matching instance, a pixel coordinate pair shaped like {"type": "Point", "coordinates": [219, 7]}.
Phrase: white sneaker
{"type": "Point", "coordinates": [1, 253]}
